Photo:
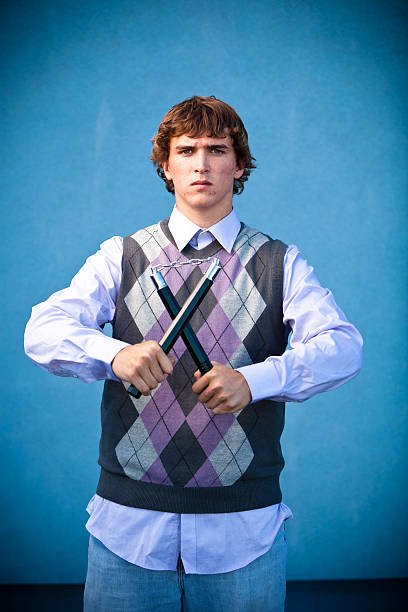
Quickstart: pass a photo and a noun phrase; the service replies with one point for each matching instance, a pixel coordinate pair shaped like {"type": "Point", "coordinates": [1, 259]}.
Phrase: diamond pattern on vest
{"type": "Point", "coordinates": [175, 440]}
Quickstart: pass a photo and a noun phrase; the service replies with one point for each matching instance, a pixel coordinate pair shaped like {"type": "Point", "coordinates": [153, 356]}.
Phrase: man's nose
{"type": "Point", "coordinates": [202, 161]}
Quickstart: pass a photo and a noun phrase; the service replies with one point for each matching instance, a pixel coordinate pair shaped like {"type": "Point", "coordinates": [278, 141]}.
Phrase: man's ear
{"type": "Point", "coordinates": [238, 173]}
{"type": "Point", "coordinates": [167, 174]}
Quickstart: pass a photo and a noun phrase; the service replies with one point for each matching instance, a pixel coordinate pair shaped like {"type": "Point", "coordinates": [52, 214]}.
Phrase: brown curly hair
{"type": "Point", "coordinates": [195, 117]}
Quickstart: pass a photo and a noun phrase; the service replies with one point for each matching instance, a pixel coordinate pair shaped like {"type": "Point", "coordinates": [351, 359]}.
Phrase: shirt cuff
{"type": "Point", "coordinates": [107, 352]}
{"type": "Point", "coordinates": [263, 380]}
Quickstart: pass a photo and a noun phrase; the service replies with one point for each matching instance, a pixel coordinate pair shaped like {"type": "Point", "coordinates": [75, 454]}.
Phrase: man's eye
{"type": "Point", "coordinates": [216, 150]}
{"type": "Point", "coordinates": [185, 151]}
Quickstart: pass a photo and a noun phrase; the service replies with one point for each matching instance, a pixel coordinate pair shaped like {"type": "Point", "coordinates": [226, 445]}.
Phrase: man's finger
{"type": "Point", "coordinates": [151, 379]}
{"type": "Point", "coordinates": [156, 371]}
{"type": "Point", "coordinates": [164, 362]}
{"type": "Point", "coordinates": [140, 384]}
{"type": "Point", "coordinates": [208, 396]}
{"type": "Point", "coordinates": [221, 409]}
{"type": "Point", "coordinates": [201, 383]}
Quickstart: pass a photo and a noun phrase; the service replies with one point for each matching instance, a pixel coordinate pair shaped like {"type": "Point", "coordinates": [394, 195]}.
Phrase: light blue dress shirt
{"type": "Point", "coordinates": [64, 336]}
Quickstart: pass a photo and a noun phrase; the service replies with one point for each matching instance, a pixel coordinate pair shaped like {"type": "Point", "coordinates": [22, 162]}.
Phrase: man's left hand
{"type": "Point", "coordinates": [222, 389]}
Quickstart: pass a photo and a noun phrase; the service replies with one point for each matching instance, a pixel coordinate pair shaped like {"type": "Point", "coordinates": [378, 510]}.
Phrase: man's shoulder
{"type": "Point", "coordinates": [257, 239]}
{"type": "Point", "coordinates": [148, 241]}
{"type": "Point", "coordinates": [145, 233]}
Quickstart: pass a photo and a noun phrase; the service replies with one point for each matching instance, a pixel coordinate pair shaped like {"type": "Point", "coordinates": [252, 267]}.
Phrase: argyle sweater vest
{"type": "Point", "coordinates": [167, 451]}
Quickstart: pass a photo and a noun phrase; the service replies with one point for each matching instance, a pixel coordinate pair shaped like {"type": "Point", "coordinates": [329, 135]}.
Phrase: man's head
{"type": "Point", "coordinates": [203, 116]}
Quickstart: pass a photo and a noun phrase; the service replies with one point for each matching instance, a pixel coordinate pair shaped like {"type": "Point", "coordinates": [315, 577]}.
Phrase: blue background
{"type": "Point", "coordinates": [322, 88]}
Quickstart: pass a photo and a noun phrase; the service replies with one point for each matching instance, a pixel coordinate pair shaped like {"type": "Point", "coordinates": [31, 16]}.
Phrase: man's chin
{"type": "Point", "coordinates": [200, 201]}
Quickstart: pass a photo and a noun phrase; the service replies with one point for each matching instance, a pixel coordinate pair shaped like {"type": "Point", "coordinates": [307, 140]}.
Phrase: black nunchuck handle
{"type": "Point", "coordinates": [189, 338]}
{"type": "Point", "coordinates": [183, 316]}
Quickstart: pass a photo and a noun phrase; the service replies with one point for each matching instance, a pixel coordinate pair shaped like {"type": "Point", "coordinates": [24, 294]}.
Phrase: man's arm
{"type": "Point", "coordinates": [325, 353]}
{"type": "Point", "coordinates": [64, 334]}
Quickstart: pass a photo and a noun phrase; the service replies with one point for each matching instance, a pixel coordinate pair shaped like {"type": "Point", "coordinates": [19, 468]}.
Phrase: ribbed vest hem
{"type": "Point", "coordinates": [244, 495]}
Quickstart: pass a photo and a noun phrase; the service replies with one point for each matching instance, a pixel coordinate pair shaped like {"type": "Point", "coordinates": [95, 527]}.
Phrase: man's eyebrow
{"type": "Point", "coordinates": [209, 146]}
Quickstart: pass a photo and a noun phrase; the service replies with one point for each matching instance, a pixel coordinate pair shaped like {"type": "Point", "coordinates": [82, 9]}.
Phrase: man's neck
{"type": "Point", "coordinates": [204, 218]}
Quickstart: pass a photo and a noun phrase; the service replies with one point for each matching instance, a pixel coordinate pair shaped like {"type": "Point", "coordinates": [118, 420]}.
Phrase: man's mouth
{"type": "Point", "coordinates": [201, 183]}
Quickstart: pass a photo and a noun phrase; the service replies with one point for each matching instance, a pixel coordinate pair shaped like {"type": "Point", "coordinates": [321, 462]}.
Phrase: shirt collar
{"type": "Point", "coordinates": [225, 231]}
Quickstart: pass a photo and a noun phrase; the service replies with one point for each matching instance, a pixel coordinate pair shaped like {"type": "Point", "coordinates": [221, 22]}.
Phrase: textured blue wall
{"type": "Point", "coordinates": [322, 88]}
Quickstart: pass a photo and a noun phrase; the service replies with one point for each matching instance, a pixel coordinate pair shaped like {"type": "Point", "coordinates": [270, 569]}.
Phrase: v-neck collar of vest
{"type": "Point", "coordinates": [190, 252]}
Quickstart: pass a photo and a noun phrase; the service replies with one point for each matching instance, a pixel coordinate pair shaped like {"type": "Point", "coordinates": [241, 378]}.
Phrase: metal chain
{"type": "Point", "coordinates": [178, 264]}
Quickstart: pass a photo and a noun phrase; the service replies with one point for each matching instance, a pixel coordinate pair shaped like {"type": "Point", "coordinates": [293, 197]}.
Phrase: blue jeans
{"type": "Point", "coordinates": [115, 585]}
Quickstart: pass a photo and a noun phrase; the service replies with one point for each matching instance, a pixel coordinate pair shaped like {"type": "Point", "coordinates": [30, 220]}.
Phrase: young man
{"type": "Point", "coordinates": [188, 510]}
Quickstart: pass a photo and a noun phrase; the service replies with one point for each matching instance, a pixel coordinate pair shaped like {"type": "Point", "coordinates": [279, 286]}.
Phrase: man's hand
{"type": "Point", "coordinates": [222, 389]}
{"type": "Point", "coordinates": [144, 365]}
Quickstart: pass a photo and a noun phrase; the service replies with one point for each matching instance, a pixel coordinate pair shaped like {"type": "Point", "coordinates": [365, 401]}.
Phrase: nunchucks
{"type": "Point", "coordinates": [191, 341]}
{"type": "Point", "coordinates": [182, 317]}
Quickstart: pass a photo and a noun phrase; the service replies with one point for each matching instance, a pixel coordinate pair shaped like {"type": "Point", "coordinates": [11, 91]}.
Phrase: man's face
{"type": "Point", "coordinates": [203, 171]}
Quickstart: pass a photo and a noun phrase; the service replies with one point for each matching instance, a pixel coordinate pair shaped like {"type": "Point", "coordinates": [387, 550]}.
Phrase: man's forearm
{"type": "Point", "coordinates": [322, 364]}
{"type": "Point", "coordinates": [326, 349]}
{"type": "Point", "coordinates": [62, 346]}
{"type": "Point", "coordinates": [64, 334]}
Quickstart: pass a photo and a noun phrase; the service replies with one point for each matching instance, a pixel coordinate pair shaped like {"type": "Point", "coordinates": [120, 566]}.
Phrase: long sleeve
{"type": "Point", "coordinates": [64, 334]}
{"type": "Point", "coordinates": [325, 349]}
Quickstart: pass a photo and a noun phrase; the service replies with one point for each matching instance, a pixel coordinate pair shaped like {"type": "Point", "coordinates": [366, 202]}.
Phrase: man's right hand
{"type": "Point", "coordinates": [144, 365]}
